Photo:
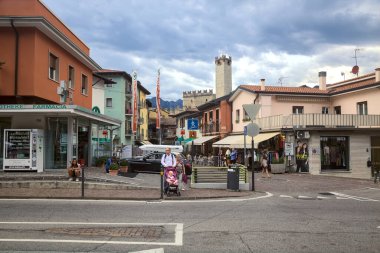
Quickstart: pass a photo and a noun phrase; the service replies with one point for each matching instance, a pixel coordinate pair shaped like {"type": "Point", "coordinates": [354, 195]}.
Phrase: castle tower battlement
{"type": "Point", "coordinates": [223, 75]}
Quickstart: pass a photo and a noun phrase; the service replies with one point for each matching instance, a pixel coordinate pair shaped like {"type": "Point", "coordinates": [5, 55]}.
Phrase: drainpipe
{"type": "Point", "coordinates": [16, 57]}
{"type": "Point", "coordinates": [257, 96]}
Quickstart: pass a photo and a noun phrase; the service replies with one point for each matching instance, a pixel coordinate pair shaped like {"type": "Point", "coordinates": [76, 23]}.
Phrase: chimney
{"type": "Point", "coordinates": [377, 75]}
{"type": "Point", "coordinates": [322, 80]}
{"type": "Point", "coordinates": [262, 84]}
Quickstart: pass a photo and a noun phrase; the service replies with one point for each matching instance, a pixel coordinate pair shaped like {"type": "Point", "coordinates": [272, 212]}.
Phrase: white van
{"type": "Point", "coordinates": [161, 148]}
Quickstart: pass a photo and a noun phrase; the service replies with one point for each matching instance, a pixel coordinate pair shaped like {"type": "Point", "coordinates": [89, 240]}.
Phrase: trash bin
{"type": "Point", "coordinates": [233, 178]}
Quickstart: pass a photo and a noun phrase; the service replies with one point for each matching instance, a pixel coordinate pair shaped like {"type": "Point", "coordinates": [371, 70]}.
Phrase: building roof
{"type": "Point", "coordinates": [188, 111]}
{"type": "Point", "coordinates": [214, 102]}
{"type": "Point", "coordinates": [106, 80]}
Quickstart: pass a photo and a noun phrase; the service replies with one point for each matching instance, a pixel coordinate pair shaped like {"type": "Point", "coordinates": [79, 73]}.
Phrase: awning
{"type": "Point", "coordinates": [237, 141]}
{"type": "Point", "coordinates": [201, 140]}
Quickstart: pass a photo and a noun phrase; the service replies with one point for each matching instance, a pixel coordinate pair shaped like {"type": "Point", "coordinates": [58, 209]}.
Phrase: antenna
{"type": "Point", "coordinates": [281, 79]}
{"type": "Point", "coordinates": [355, 69]}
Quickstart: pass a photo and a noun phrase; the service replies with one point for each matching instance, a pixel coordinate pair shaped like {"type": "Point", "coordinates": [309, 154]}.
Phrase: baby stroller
{"type": "Point", "coordinates": [171, 182]}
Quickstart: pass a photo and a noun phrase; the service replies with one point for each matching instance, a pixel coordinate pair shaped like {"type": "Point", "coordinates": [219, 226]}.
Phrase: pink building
{"type": "Point", "coordinates": [339, 123]}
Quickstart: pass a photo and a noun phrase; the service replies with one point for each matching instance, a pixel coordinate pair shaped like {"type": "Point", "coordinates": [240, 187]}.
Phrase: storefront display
{"type": "Point", "coordinates": [334, 153]}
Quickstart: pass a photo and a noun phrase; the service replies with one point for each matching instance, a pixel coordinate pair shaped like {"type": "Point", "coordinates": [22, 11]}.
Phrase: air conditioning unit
{"type": "Point", "coordinates": [60, 91]}
{"type": "Point", "coordinates": [303, 135]}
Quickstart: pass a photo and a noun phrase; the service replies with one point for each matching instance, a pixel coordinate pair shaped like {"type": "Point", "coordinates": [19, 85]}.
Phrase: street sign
{"type": "Point", "coordinates": [253, 129]}
{"type": "Point", "coordinates": [252, 110]}
{"type": "Point", "coordinates": [192, 124]}
{"type": "Point", "coordinates": [289, 148]}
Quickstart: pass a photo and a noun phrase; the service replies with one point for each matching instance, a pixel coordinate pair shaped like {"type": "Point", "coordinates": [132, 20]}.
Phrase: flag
{"type": "Point", "coordinates": [158, 106]}
{"type": "Point", "coordinates": [135, 112]}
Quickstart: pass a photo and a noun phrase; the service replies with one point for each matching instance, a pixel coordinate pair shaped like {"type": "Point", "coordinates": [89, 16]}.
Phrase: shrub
{"type": "Point", "coordinates": [99, 161]}
{"type": "Point", "coordinates": [114, 166]}
{"type": "Point", "coordinates": [123, 163]}
{"type": "Point", "coordinates": [278, 161]}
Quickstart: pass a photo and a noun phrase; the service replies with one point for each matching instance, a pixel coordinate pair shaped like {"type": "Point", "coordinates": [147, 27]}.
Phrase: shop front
{"type": "Point", "coordinates": [64, 133]}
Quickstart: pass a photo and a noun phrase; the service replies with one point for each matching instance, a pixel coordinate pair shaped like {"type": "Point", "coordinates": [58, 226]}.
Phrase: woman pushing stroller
{"type": "Point", "coordinates": [169, 162]}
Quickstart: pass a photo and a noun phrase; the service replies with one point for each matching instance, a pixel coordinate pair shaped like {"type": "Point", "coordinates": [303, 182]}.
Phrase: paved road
{"type": "Point", "coordinates": [343, 217]}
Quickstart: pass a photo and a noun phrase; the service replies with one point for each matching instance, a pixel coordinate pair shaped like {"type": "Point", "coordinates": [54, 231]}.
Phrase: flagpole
{"type": "Point", "coordinates": [158, 108]}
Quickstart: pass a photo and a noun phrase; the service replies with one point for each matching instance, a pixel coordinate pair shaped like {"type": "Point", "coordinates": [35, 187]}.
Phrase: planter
{"type": "Point", "coordinates": [113, 172]}
{"type": "Point", "coordinates": [277, 168]}
{"type": "Point", "coordinates": [123, 169]}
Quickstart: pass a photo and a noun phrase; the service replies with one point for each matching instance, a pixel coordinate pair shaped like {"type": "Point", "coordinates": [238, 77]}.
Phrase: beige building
{"type": "Point", "coordinates": [340, 123]}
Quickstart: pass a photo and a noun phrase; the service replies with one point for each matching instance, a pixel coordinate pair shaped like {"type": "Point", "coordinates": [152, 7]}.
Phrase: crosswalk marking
{"type": "Point", "coordinates": [353, 197]}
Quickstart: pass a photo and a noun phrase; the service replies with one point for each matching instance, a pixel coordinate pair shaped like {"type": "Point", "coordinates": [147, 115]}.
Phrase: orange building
{"type": "Point", "coordinates": [46, 78]}
{"type": "Point", "coordinates": [38, 51]}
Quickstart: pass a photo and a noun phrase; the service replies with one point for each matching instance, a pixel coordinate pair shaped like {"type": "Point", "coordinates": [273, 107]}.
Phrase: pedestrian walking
{"type": "Point", "coordinates": [264, 165]}
{"type": "Point", "coordinates": [180, 168]}
{"type": "Point", "coordinates": [107, 165]}
{"type": "Point", "coordinates": [233, 156]}
{"type": "Point", "coordinates": [74, 170]}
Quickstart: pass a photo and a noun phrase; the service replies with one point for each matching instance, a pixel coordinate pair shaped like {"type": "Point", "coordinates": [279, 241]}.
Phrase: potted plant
{"type": "Point", "coordinates": [100, 161]}
{"type": "Point", "coordinates": [278, 165]}
{"type": "Point", "coordinates": [124, 166]}
{"type": "Point", "coordinates": [114, 169]}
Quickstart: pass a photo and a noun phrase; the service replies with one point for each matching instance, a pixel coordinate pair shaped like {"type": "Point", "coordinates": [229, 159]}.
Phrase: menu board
{"type": "Point", "coordinates": [17, 144]}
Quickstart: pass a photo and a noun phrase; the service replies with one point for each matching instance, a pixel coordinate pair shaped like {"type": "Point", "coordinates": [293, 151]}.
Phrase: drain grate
{"type": "Point", "coordinates": [326, 193]}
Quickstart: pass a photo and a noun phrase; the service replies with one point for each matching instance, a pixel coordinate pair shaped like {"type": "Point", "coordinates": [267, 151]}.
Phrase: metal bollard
{"type": "Point", "coordinates": [162, 182]}
{"type": "Point", "coordinates": [83, 182]}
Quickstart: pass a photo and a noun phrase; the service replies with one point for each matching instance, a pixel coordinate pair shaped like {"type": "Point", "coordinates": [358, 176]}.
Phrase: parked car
{"type": "Point", "coordinates": [151, 162]}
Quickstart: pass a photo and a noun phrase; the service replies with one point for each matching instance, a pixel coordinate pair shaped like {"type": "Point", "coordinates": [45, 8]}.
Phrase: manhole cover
{"type": "Point", "coordinates": [326, 193]}
{"type": "Point", "coordinates": [129, 232]}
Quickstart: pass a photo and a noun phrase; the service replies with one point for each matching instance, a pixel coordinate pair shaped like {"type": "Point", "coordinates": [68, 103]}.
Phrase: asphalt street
{"type": "Point", "coordinates": [336, 219]}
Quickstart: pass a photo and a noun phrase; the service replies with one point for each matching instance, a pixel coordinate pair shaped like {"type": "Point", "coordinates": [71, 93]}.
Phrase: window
{"type": "Point", "coordinates": [237, 116]}
{"type": "Point", "coordinates": [109, 85]}
{"type": "Point", "coordinates": [109, 102]}
{"type": "Point", "coordinates": [362, 108]}
{"type": "Point", "coordinates": [297, 109]}
{"type": "Point", "coordinates": [337, 110]}
{"type": "Point", "coordinates": [53, 67]}
{"type": "Point", "coordinates": [84, 84]}
{"type": "Point", "coordinates": [246, 117]}
{"type": "Point", "coordinates": [71, 77]}
{"type": "Point", "coordinates": [334, 153]}
{"type": "Point", "coordinates": [325, 110]}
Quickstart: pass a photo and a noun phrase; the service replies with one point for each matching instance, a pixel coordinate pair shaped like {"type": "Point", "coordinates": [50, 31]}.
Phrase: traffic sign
{"type": "Point", "coordinates": [192, 124]}
{"type": "Point", "coordinates": [253, 129]}
{"type": "Point", "coordinates": [252, 110]}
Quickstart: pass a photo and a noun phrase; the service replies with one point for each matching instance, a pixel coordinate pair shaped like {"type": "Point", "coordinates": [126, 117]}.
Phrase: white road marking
{"type": "Point", "coordinates": [159, 250]}
{"type": "Point", "coordinates": [304, 197]}
{"type": "Point", "coordinates": [370, 188]}
{"type": "Point", "coordinates": [378, 227]}
{"type": "Point", "coordinates": [178, 237]}
{"type": "Point", "coordinates": [322, 197]}
{"type": "Point", "coordinates": [340, 198]}
{"type": "Point", "coordinates": [285, 196]}
{"type": "Point", "coordinates": [232, 199]}
{"type": "Point", "coordinates": [353, 197]}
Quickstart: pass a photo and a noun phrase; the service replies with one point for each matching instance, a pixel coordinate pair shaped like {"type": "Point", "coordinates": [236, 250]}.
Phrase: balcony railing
{"type": "Point", "coordinates": [210, 128]}
{"type": "Point", "coordinates": [318, 120]}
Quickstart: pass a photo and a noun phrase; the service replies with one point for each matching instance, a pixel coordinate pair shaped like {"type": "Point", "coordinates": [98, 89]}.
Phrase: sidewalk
{"type": "Point", "coordinates": [98, 185]}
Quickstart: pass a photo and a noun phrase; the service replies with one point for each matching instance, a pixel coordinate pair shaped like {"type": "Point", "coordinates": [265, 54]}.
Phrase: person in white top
{"type": "Point", "coordinates": [168, 159]}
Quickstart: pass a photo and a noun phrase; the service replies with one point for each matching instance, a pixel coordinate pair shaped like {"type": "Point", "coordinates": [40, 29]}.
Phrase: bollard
{"type": "Point", "coordinates": [162, 182]}
{"type": "Point", "coordinates": [82, 181]}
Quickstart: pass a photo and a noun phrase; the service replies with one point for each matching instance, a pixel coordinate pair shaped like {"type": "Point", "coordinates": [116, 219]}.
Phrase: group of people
{"type": "Point", "coordinates": [176, 170]}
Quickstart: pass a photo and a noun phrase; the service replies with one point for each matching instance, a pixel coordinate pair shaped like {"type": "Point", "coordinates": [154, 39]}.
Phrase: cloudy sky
{"type": "Point", "coordinates": [285, 42]}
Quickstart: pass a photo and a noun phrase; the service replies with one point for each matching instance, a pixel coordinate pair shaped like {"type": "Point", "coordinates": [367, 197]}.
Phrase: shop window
{"type": "Point", "coordinates": [84, 85]}
{"type": "Point", "coordinates": [109, 102]}
{"type": "Point", "coordinates": [53, 67]}
{"type": "Point", "coordinates": [325, 110]}
{"type": "Point", "coordinates": [362, 108]}
{"type": "Point", "coordinates": [71, 77]}
{"type": "Point", "coordinates": [297, 109]}
{"type": "Point", "coordinates": [334, 153]}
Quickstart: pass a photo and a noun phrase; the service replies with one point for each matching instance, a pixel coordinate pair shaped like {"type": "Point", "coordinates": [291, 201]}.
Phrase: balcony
{"type": "Point", "coordinates": [317, 120]}
{"type": "Point", "coordinates": [128, 111]}
{"type": "Point", "coordinates": [211, 128]}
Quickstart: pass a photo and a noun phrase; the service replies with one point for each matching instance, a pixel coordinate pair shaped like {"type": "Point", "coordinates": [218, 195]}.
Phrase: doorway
{"type": "Point", "coordinates": [375, 153]}
{"type": "Point", "coordinates": [83, 145]}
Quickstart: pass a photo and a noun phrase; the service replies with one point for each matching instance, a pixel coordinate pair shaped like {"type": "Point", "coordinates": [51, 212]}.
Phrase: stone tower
{"type": "Point", "coordinates": [223, 75]}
